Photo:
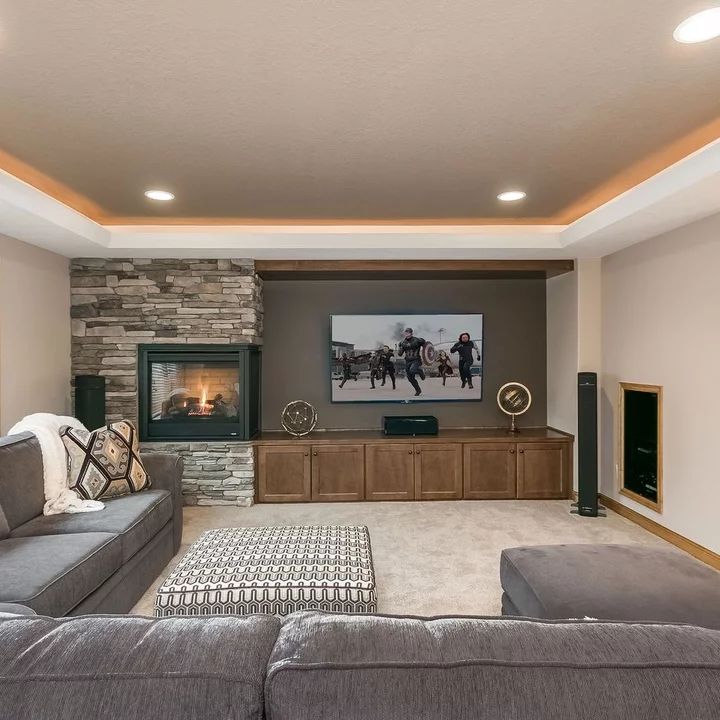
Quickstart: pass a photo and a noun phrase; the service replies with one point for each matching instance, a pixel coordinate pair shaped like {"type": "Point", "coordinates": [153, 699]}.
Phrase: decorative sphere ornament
{"type": "Point", "coordinates": [299, 418]}
{"type": "Point", "coordinates": [514, 399]}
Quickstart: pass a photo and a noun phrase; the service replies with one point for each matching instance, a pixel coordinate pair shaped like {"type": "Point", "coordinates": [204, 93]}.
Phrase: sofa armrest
{"type": "Point", "coordinates": [15, 609]}
{"type": "Point", "coordinates": [166, 473]}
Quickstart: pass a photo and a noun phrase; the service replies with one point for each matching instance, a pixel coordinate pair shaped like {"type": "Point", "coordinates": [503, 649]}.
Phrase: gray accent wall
{"type": "Point", "coordinates": [296, 355]}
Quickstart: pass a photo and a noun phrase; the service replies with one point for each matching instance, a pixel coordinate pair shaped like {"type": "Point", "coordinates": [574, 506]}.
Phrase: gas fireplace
{"type": "Point", "coordinates": [199, 392]}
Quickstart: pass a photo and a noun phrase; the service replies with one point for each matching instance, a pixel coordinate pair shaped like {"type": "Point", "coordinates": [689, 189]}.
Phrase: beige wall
{"type": "Point", "coordinates": [661, 325]}
{"type": "Point", "coordinates": [34, 332]}
{"type": "Point", "coordinates": [574, 311]}
{"type": "Point", "coordinates": [562, 351]}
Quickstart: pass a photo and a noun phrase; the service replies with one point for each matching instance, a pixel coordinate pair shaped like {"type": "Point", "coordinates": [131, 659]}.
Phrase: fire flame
{"type": "Point", "coordinates": [204, 408]}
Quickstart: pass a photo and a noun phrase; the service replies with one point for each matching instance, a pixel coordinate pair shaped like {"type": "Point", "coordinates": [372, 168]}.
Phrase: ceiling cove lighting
{"type": "Point", "coordinates": [700, 27]}
{"type": "Point", "coordinates": [511, 195]}
{"type": "Point", "coordinates": [162, 195]}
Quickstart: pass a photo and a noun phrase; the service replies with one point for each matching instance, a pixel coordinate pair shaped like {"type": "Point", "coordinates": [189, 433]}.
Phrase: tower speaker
{"type": "Point", "coordinates": [90, 400]}
{"type": "Point", "coordinates": [587, 504]}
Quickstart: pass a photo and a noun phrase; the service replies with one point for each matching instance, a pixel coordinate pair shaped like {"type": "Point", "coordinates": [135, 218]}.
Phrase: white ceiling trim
{"type": "Point", "coordinates": [687, 191]}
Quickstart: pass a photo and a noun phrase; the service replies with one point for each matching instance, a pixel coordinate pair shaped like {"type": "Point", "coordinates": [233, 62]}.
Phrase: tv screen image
{"type": "Point", "coordinates": [406, 357]}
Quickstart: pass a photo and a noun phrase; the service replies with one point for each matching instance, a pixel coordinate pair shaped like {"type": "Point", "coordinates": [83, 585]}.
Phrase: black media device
{"type": "Point", "coordinates": [410, 425]}
{"type": "Point", "coordinates": [587, 504]}
{"type": "Point", "coordinates": [90, 400]}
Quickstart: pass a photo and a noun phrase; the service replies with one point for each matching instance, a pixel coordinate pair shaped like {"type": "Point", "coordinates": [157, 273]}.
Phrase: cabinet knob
{"type": "Point", "coordinates": [409, 452]}
{"type": "Point", "coordinates": [417, 452]}
{"type": "Point", "coordinates": [512, 452]}
{"type": "Point", "coordinates": [522, 451]}
{"type": "Point", "coordinates": [315, 453]}
{"type": "Point", "coordinates": [306, 454]}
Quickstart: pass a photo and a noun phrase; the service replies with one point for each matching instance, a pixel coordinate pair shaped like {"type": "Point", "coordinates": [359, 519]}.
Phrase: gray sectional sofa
{"type": "Point", "coordinates": [99, 562]}
{"type": "Point", "coordinates": [318, 666]}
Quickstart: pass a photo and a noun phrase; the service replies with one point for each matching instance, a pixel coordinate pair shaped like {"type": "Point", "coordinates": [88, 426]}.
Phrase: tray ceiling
{"type": "Point", "coordinates": [368, 111]}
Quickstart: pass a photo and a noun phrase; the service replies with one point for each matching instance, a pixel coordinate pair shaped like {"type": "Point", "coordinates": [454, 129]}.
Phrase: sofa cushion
{"type": "Point", "coordinates": [53, 573]}
{"type": "Point", "coordinates": [22, 486]}
{"type": "Point", "coordinates": [135, 518]}
{"type": "Point", "coordinates": [356, 667]}
{"type": "Point", "coordinates": [611, 582]}
{"type": "Point", "coordinates": [135, 668]}
{"type": "Point", "coordinates": [104, 463]}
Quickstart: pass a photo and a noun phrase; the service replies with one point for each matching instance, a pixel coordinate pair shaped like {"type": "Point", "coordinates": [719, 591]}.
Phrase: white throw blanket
{"type": "Point", "coordinates": [58, 496]}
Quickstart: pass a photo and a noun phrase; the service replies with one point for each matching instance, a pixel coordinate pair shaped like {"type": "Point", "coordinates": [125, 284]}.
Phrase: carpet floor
{"type": "Point", "coordinates": [431, 558]}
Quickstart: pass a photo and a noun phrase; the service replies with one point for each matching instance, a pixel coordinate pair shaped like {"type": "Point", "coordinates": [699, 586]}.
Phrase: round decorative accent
{"type": "Point", "coordinates": [299, 418]}
{"type": "Point", "coordinates": [514, 399]}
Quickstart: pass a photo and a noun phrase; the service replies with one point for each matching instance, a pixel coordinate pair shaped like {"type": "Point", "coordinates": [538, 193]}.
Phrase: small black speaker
{"type": "Point", "coordinates": [587, 504]}
{"type": "Point", "coordinates": [410, 425]}
{"type": "Point", "coordinates": [90, 400]}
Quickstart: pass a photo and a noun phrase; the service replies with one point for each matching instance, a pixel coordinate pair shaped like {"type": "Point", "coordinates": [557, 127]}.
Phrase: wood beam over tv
{"type": "Point", "coordinates": [409, 269]}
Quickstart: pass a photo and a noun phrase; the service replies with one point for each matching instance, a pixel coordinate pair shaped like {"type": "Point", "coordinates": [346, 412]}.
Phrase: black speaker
{"type": "Point", "coordinates": [90, 400]}
{"type": "Point", "coordinates": [410, 425]}
{"type": "Point", "coordinates": [587, 504]}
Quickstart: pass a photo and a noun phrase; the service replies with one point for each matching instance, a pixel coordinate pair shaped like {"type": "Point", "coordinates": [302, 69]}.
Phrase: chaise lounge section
{"type": "Point", "coordinates": [609, 582]}
{"type": "Point", "coordinates": [84, 563]}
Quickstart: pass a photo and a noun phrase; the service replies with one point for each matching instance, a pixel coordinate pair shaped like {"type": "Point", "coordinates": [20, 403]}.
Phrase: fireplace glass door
{"type": "Point", "coordinates": [205, 392]}
{"type": "Point", "coordinates": [192, 393]}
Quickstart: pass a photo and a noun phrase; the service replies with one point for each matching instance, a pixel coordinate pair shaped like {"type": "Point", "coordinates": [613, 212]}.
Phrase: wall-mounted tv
{"type": "Point", "coordinates": [406, 357]}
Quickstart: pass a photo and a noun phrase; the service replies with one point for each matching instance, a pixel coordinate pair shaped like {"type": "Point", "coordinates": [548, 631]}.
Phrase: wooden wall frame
{"type": "Point", "coordinates": [658, 390]}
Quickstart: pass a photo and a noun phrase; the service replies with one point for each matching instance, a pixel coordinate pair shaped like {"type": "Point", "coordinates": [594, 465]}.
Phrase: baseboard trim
{"type": "Point", "coordinates": [689, 546]}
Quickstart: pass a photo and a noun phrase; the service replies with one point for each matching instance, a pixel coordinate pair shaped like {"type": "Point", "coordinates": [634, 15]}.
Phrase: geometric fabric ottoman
{"type": "Point", "coordinates": [272, 570]}
{"type": "Point", "coordinates": [637, 583]}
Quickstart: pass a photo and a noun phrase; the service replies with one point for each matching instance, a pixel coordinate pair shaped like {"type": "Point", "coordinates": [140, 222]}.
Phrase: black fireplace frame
{"type": "Point", "coordinates": [248, 357]}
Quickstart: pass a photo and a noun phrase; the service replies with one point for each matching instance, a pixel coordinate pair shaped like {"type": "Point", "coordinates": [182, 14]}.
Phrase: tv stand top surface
{"type": "Point", "coordinates": [495, 434]}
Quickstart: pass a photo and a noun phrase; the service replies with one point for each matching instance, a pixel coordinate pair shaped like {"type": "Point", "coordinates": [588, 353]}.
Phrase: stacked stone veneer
{"type": "Point", "coordinates": [118, 304]}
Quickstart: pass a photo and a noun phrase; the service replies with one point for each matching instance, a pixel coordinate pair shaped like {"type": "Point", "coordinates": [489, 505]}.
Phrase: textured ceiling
{"type": "Point", "coordinates": [346, 109]}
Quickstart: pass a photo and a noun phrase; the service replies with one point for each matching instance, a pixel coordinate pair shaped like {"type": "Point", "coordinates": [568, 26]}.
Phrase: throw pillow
{"type": "Point", "coordinates": [104, 463]}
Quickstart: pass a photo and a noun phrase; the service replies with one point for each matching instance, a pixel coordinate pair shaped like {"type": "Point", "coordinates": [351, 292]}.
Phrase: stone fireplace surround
{"type": "Point", "coordinates": [118, 304]}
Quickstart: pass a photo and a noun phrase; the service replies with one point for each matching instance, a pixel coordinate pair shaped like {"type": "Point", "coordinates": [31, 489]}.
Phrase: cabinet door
{"type": "Point", "coordinates": [389, 471]}
{"type": "Point", "coordinates": [543, 470]}
{"type": "Point", "coordinates": [338, 472]}
{"type": "Point", "coordinates": [489, 471]}
{"type": "Point", "coordinates": [438, 471]}
{"type": "Point", "coordinates": [284, 473]}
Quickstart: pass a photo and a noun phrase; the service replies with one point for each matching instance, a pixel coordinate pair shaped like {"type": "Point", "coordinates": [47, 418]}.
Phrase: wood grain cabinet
{"type": "Point", "coordinates": [543, 471]}
{"type": "Point", "coordinates": [390, 471]}
{"type": "Point", "coordinates": [484, 464]}
{"type": "Point", "coordinates": [489, 471]}
{"type": "Point", "coordinates": [338, 473]}
{"type": "Point", "coordinates": [284, 473]}
{"type": "Point", "coordinates": [438, 471]}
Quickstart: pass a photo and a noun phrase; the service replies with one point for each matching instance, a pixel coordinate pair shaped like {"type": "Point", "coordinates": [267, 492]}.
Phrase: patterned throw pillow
{"type": "Point", "coordinates": [104, 463]}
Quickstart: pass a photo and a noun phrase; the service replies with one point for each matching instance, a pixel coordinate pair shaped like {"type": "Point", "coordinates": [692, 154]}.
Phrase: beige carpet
{"type": "Point", "coordinates": [431, 558]}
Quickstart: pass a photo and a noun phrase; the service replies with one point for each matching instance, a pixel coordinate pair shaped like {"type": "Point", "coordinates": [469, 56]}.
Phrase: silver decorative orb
{"type": "Point", "coordinates": [299, 418]}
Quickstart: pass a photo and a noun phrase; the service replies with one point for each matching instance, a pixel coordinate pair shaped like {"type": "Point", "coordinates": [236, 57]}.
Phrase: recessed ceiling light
{"type": "Point", "coordinates": [159, 195]}
{"type": "Point", "coordinates": [700, 27]}
{"type": "Point", "coordinates": [511, 195]}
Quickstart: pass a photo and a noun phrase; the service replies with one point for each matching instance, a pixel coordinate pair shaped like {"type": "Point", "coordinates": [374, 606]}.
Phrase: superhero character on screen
{"type": "Point", "coordinates": [387, 365]}
{"type": "Point", "coordinates": [410, 349]}
{"type": "Point", "coordinates": [375, 363]}
{"type": "Point", "coordinates": [464, 347]}
{"type": "Point", "coordinates": [444, 368]}
{"type": "Point", "coordinates": [346, 365]}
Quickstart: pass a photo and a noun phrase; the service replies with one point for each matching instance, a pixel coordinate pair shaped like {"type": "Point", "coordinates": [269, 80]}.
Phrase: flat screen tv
{"type": "Point", "coordinates": [406, 357]}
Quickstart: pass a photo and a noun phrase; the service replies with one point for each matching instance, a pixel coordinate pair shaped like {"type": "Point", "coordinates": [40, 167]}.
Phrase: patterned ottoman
{"type": "Point", "coordinates": [274, 570]}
